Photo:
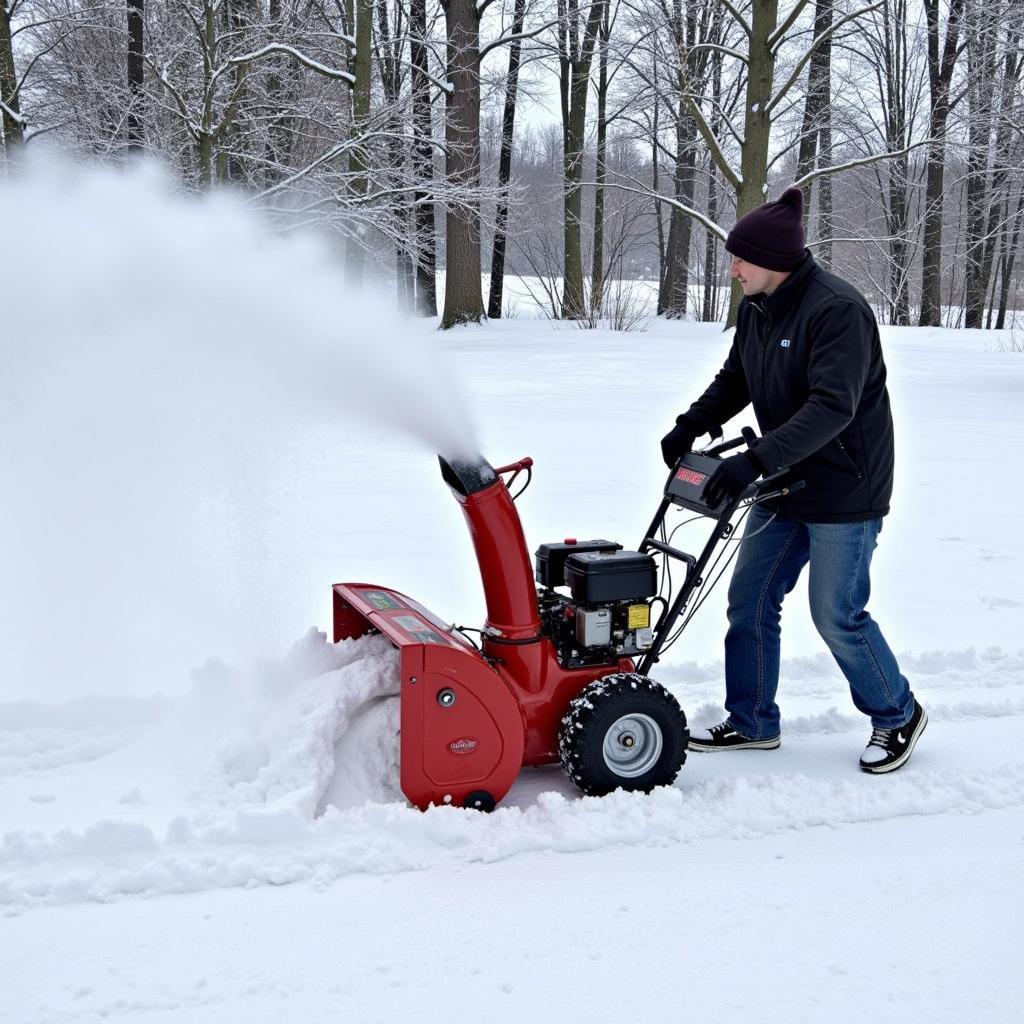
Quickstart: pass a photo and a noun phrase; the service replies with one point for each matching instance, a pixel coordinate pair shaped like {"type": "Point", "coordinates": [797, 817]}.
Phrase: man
{"type": "Point", "coordinates": [807, 356]}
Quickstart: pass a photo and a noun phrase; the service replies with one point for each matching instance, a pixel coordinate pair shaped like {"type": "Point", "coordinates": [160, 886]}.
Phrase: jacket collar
{"type": "Point", "coordinates": [788, 294]}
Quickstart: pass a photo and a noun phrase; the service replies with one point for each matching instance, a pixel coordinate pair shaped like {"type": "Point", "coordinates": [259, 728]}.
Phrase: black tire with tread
{"type": "Point", "coordinates": [596, 708]}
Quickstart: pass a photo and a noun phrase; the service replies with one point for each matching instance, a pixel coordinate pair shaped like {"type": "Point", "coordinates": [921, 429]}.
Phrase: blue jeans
{"type": "Point", "coordinates": [772, 555]}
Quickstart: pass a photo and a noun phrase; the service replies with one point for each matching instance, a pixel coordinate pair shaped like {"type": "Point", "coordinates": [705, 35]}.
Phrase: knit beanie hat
{"type": "Point", "coordinates": [772, 236]}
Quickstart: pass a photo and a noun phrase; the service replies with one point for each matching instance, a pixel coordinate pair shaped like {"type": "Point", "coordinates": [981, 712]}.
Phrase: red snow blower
{"type": "Point", "coordinates": [556, 676]}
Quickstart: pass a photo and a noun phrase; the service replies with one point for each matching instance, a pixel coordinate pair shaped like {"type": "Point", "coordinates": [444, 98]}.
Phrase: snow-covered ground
{"type": "Point", "coordinates": [199, 809]}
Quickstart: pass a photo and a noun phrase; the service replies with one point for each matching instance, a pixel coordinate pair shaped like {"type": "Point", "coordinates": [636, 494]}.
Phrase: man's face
{"type": "Point", "coordinates": [754, 279]}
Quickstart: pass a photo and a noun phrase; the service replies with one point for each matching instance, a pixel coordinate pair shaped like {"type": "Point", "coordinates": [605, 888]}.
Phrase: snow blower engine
{"type": "Point", "coordinates": [560, 672]}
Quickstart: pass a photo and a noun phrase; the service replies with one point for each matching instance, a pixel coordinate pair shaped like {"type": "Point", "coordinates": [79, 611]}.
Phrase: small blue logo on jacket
{"type": "Point", "coordinates": [784, 343]}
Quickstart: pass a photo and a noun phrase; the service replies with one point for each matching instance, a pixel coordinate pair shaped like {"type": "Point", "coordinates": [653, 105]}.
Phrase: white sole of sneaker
{"type": "Point", "coordinates": [707, 748]}
{"type": "Point", "coordinates": [902, 759]}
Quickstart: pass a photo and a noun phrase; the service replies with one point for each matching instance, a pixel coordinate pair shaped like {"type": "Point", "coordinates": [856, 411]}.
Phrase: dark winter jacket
{"type": "Point", "coordinates": [809, 358]}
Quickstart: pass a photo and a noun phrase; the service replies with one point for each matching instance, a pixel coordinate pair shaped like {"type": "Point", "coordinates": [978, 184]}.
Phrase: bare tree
{"type": "Point", "coordinates": [597, 268]}
{"type": "Point", "coordinates": [361, 82]}
{"type": "Point", "coordinates": [994, 67]}
{"type": "Point", "coordinates": [755, 41]}
{"type": "Point", "coordinates": [577, 37]}
{"type": "Point", "coordinates": [816, 131]}
{"type": "Point", "coordinates": [508, 121]}
{"type": "Point", "coordinates": [136, 73]}
{"type": "Point", "coordinates": [463, 297]}
{"type": "Point", "coordinates": [942, 58]}
{"type": "Point", "coordinates": [889, 51]}
{"type": "Point", "coordinates": [709, 305]}
{"type": "Point", "coordinates": [10, 104]}
{"type": "Point", "coordinates": [423, 163]}
{"type": "Point", "coordinates": [687, 25]}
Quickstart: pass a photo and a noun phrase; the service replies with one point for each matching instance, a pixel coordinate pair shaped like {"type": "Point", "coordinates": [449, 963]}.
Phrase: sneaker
{"type": "Point", "coordinates": [889, 749]}
{"type": "Point", "coordinates": [724, 737]}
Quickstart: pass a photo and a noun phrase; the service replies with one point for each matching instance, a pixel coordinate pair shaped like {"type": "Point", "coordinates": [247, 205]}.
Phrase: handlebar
{"type": "Point", "coordinates": [523, 463]}
{"type": "Point", "coordinates": [515, 468]}
{"type": "Point", "coordinates": [688, 489]}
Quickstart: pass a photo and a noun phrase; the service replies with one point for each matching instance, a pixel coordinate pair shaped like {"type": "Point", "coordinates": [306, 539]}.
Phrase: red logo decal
{"type": "Point", "coordinates": [691, 476]}
{"type": "Point", "coordinates": [463, 746]}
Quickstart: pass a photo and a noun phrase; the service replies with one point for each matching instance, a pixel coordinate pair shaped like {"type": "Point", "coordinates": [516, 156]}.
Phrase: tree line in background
{"type": "Point", "coordinates": [397, 124]}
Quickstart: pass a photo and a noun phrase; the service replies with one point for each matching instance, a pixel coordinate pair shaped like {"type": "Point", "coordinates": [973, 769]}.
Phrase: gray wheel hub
{"type": "Point", "coordinates": [632, 745]}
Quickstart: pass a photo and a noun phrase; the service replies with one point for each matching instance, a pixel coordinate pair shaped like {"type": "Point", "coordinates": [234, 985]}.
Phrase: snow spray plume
{"type": "Point", "coordinates": [174, 373]}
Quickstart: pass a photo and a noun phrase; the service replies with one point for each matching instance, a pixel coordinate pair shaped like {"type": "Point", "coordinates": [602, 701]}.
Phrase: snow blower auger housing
{"type": "Point", "coordinates": [557, 676]}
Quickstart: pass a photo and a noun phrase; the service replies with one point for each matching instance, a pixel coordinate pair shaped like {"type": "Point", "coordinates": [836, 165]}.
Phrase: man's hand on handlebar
{"type": "Point", "coordinates": [679, 440]}
{"type": "Point", "coordinates": [733, 476]}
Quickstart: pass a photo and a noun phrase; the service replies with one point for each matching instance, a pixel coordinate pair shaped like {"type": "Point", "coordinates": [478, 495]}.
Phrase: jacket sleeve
{"type": "Point", "coordinates": [840, 356]}
{"type": "Point", "coordinates": [725, 396]}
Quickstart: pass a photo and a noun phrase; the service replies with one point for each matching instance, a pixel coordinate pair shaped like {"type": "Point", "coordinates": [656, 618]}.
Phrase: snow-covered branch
{"type": "Point", "coordinates": [862, 161]}
{"type": "Point", "coordinates": [335, 151]}
{"type": "Point", "coordinates": [701, 218]}
{"type": "Point", "coordinates": [191, 127]}
{"type": "Point", "coordinates": [502, 40]}
{"type": "Point", "coordinates": [806, 56]}
{"type": "Point", "coordinates": [298, 55]}
{"type": "Point", "coordinates": [721, 49]}
{"type": "Point", "coordinates": [39, 55]}
{"type": "Point", "coordinates": [728, 171]}
{"type": "Point", "coordinates": [15, 117]}
{"type": "Point", "coordinates": [738, 18]}
{"type": "Point", "coordinates": [30, 26]}
{"type": "Point", "coordinates": [775, 40]}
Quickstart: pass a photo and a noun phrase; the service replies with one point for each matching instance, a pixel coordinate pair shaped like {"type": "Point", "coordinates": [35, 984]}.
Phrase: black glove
{"type": "Point", "coordinates": [733, 476]}
{"type": "Point", "coordinates": [679, 440]}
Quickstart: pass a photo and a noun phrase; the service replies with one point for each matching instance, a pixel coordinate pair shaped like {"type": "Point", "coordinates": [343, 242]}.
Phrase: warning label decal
{"type": "Point", "coordinates": [416, 629]}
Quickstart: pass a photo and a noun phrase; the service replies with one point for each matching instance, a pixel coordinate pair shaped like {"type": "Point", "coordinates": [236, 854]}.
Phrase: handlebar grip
{"type": "Point", "coordinates": [723, 447]}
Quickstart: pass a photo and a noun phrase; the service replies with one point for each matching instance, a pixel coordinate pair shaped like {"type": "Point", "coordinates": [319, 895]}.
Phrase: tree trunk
{"type": "Point", "coordinates": [999, 206]}
{"type": "Point", "coordinates": [135, 70]}
{"type": "Point", "coordinates": [940, 73]}
{"type": "Point", "coordinates": [894, 75]}
{"type": "Point", "coordinates": [13, 127]}
{"type": "Point", "coordinates": [981, 70]}
{"type": "Point", "coordinates": [278, 145]}
{"type": "Point", "coordinates": [1009, 258]}
{"type": "Point", "coordinates": [355, 254]}
{"type": "Point", "coordinates": [675, 283]}
{"type": "Point", "coordinates": [655, 177]}
{"type": "Point", "coordinates": [423, 164]}
{"type": "Point", "coordinates": [508, 123]}
{"type": "Point", "coordinates": [690, 68]}
{"type": "Point", "coordinates": [816, 131]}
{"type": "Point", "coordinates": [600, 173]}
{"type": "Point", "coordinates": [463, 297]}
{"type": "Point", "coordinates": [576, 59]}
{"type": "Point", "coordinates": [709, 306]}
{"type": "Point", "coordinates": [753, 190]}
{"type": "Point", "coordinates": [391, 61]}
{"type": "Point", "coordinates": [897, 222]}
{"type": "Point", "coordinates": [406, 283]}
{"type": "Point", "coordinates": [240, 16]}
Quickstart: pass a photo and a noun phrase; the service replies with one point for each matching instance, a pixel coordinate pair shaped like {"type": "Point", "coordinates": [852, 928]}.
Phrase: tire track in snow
{"type": "Point", "coordinates": [42, 750]}
{"type": "Point", "coordinates": [260, 812]}
{"type": "Point", "coordinates": [114, 860]}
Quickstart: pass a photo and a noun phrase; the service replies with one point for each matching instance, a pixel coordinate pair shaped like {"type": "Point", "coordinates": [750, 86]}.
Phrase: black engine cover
{"type": "Point", "coordinates": [599, 576]}
{"type": "Point", "coordinates": [551, 558]}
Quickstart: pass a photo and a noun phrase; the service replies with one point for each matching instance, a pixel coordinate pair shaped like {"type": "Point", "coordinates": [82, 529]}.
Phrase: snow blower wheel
{"type": "Point", "coordinates": [481, 800]}
{"type": "Point", "coordinates": [624, 731]}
